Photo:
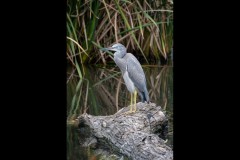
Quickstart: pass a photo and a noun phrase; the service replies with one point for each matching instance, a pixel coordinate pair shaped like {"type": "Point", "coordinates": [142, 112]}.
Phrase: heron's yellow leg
{"type": "Point", "coordinates": [130, 111]}
{"type": "Point", "coordinates": [135, 101]}
{"type": "Point", "coordinates": [131, 102]}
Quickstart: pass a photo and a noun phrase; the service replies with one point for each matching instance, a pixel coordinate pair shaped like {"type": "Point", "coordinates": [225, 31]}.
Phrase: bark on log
{"type": "Point", "coordinates": [133, 134]}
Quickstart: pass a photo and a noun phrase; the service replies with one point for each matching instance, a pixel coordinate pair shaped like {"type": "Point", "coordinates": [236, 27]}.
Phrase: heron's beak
{"type": "Point", "coordinates": [107, 49]}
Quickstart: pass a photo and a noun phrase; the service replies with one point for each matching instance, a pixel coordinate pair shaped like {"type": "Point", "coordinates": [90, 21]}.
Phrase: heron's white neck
{"type": "Point", "coordinates": [119, 54]}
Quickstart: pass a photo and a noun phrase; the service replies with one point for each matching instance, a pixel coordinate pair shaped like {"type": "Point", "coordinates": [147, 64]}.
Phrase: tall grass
{"type": "Point", "coordinates": [144, 27]}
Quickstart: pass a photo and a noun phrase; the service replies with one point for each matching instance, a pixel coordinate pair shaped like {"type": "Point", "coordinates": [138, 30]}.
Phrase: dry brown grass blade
{"type": "Point", "coordinates": [163, 46]}
{"type": "Point", "coordinates": [71, 75]}
{"type": "Point", "coordinates": [154, 10]}
{"type": "Point", "coordinates": [145, 14]}
{"type": "Point", "coordinates": [115, 27]}
{"type": "Point", "coordinates": [107, 11]}
{"type": "Point", "coordinates": [128, 42]}
{"type": "Point", "coordinates": [131, 22]}
{"type": "Point", "coordinates": [151, 40]}
{"type": "Point", "coordinates": [77, 45]}
{"type": "Point", "coordinates": [157, 39]}
{"type": "Point", "coordinates": [69, 57]}
{"type": "Point", "coordinates": [145, 44]}
{"type": "Point", "coordinates": [124, 37]}
{"type": "Point", "coordinates": [110, 6]}
{"type": "Point", "coordinates": [145, 2]}
{"type": "Point", "coordinates": [101, 25]}
{"type": "Point", "coordinates": [104, 30]}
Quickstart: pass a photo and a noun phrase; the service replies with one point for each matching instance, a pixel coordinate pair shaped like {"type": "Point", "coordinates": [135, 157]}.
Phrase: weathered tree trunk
{"type": "Point", "coordinates": [133, 134]}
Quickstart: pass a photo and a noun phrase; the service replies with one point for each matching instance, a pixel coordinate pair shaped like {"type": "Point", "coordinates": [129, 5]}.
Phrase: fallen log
{"type": "Point", "coordinates": [136, 135]}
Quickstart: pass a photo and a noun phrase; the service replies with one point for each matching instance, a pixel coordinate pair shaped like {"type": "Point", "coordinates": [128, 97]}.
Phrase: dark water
{"type": "Point", "coordinates": [101, 91]}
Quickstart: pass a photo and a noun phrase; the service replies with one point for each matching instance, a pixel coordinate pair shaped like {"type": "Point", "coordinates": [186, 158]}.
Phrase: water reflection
{"type": "Point", "coordinates": [102, 92]}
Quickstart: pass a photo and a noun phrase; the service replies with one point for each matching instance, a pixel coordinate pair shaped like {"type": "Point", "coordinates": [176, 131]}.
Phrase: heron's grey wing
{"type": "Point", "coordinates": [135, 72]}
{"type": "Point", "coordinates": [128, 82]}
{"type": "Point", "coordinates": [121, 63]}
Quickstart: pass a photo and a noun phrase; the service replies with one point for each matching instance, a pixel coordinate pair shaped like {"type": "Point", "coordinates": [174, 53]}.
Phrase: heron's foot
{"type": "Point", "coordinates": [128, 112]}
{"type": "Point", "coordinates": [135, 109]}
{"type": "Point", "coordinates": [131, 110]}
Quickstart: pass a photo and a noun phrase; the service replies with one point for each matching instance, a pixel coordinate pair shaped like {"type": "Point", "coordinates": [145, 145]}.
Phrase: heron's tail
{"type": "Point", "coordinates": [145, 96]}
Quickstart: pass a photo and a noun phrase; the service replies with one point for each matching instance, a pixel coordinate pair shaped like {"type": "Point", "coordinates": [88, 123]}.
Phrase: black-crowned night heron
{"type": "Point", "coordinates": [132, 72]}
